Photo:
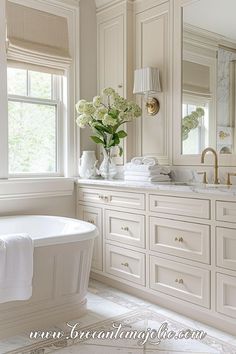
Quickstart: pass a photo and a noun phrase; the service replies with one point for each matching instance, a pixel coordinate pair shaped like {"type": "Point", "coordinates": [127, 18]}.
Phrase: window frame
{"type": "Point", "coordinates": [55, 101]}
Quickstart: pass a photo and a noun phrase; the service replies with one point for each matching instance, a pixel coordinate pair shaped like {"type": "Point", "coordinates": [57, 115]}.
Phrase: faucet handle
{"type": "Point", "coordinates": [204, 180]}
{"type": "Point", "coordinates": [230, 174]}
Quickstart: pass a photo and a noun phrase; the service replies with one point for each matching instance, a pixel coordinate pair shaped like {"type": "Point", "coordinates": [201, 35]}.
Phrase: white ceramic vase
{"type": "Point", "coordinates": [87, 165]}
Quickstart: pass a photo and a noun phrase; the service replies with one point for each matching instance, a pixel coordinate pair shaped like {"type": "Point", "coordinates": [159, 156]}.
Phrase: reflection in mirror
{"type": "Point", "coordinates": [209, 76]}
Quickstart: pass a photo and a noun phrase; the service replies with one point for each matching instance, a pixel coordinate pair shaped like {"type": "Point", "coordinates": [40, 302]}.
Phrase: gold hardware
{"type": "Point", "coordinates": [153, 106]}
{"type": "Point", "coordinates": [180, 239]}
{"type": "Point", "coordinates": [204, 180]}
{"type": "Point", "coordinates": [100, 197]}
{"type": "Point", "coordinates": [230, 174]}
{"type": "Point", "coordinates": [125, 228]}
{"type": "Point", "coordinates": [216, 166]}
{"type": "Point", "coordinates": [125, 264]}
{"type": "Point", "coordinates": [179, 281]}
{"type": "Point", "coordinates": [120, 86]}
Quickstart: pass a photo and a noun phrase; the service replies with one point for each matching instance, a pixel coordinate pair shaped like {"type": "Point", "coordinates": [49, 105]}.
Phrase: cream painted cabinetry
{"type": "Point", "coordinates": [169, 247]}
{"type": "Point", "coordinates": [115, 55]}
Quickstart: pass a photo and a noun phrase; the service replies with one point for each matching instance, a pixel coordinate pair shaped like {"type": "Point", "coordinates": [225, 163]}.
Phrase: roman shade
{"type": "Point", "coordinates": [37, 38]}
{"type": "Point", "coordinates": [196, 79]}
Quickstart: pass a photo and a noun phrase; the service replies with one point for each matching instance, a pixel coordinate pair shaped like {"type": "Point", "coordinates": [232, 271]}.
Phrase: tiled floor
{"type": "Point", "coordinates": [107, 306]}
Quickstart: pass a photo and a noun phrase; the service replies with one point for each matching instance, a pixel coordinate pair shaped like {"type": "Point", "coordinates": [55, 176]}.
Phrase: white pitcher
{"type": "Point", "coordinates": [87, 164]}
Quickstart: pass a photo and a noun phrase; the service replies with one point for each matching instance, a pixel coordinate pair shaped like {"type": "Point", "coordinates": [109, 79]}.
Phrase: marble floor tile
{"type": "Point", "coordinates": [98, 349]}
{"type": "Point", "coordinates": [106, 306]}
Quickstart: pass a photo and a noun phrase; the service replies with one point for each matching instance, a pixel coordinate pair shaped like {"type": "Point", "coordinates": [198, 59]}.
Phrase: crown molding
{"type": "Point", "coordinates": [103, 4]}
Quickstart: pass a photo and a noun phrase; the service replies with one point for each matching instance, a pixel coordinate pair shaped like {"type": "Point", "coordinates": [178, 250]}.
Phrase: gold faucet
{"type": "Point", "coordinates": [216, 166]}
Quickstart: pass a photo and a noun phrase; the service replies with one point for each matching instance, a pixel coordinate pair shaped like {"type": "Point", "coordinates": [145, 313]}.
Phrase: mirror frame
{"type": "Point", "coordinates": [177, 49]}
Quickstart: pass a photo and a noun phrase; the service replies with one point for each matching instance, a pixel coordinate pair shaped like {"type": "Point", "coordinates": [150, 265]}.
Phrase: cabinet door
{"type": "Point", "coordinates": [226, 247]}
{"type": "Point", "coordinates": [226, 294]}
{"type": "Point", "coordinates": [94, 216]}
{"type": "Point", "coordinates": [125, 264]}
{"type": "Point", "coordinates": [181, 239]}
{"type": "Point", "coordinates": [111, 60]}
{"type": "Point", "coordinates": [126, 228]}
{"type": "Point", "coordinates": [180, 280]}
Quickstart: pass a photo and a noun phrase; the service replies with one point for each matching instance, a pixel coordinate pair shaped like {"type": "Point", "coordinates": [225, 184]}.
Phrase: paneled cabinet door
{"type": "Point", "coordinates": [111, 47]}
{"type": "Point", "coordinates": [94, 216]}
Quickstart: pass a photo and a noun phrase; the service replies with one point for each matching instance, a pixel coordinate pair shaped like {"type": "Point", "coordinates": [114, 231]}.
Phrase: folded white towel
{"type": "Point", "coordinates": [145, 168]}
{"type": "Point", "coordinates": [17, 267]}
{"type": "Point", "coordinates": [151, 173]}
{"type": "Point", "coordinates": [150, 161]}
{"type": "Point", "coordinates": [137, 161]}
{"type": "Point", "coordinates": [159, 178]}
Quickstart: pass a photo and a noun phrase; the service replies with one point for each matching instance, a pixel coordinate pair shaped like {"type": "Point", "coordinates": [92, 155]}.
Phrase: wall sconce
{"type": "Point", "coordinates": [147, 82]}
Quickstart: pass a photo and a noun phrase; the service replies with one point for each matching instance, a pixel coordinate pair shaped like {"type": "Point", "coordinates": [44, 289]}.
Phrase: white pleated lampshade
{"type": "Point", "coordinates": [146, 80]}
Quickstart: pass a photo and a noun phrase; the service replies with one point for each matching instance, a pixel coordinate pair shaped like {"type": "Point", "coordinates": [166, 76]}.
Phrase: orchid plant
{"type": "Point", "coordinates": [105, 115]}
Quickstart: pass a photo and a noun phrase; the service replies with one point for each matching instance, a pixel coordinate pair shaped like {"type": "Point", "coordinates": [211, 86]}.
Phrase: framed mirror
{"type": "Point", "coordinates": [206, 84]}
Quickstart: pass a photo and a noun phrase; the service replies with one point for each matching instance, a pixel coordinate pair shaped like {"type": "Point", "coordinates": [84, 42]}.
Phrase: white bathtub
{"type": "Point", "coordinates": [62, 261]}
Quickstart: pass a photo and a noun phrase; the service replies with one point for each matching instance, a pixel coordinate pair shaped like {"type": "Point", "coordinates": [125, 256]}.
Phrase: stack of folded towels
{"type": "Point", "coordinates": [146, 169]}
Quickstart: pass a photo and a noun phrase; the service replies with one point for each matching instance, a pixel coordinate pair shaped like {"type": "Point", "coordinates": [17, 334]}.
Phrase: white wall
{"type": "Point", "coordinates": [88, 62]}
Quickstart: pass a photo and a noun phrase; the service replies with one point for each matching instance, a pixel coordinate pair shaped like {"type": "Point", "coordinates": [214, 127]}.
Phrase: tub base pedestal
{"type": "Point", "coordinates": [60, 282]}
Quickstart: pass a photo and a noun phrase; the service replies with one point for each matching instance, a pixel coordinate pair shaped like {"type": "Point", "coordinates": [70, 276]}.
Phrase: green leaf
{"type": "Point", "coordinates": [116, 139]}
{"type": "Point", "coordinates": [122, 134]}
{"type": "Point", "coordinates": [120, 151]}
{"type": "Point", "coordinates": [97, 140]}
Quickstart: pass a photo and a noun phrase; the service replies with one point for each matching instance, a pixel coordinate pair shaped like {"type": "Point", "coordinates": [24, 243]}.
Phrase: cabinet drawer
{"type": "Point", "coordinates": [179, 280]}
{"type": "Point", "coordinates": [226, 294]}
{"type": "Point", "coordinates": [226, 247]}
{"type": "Point", "coordinates": [197, 208]}
{"type": "Point", "coordinates": [94, 216]}
{"type": "Point", "coordinates": [226, 211]}
{"type": "Point", "coordinates": [125, 264]}
{"type": "Point", "coordinates": [125, 227]}
{"type": "Point", "coordinates": [181, 239]}
{"type": "Point", "coordinates": [107, 197]}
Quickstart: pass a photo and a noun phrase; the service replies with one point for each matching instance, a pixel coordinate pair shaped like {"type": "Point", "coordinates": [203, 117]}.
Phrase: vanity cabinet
{"type": "Point", "coordinates": [176, 247]}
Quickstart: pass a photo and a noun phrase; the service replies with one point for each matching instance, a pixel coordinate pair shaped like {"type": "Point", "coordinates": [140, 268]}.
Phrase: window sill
{"type": "Point", "coordinates": [15, 188]}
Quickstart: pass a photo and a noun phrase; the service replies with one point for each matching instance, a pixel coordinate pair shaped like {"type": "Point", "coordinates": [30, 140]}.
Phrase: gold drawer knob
{"type": "Point", "coordinates": [126, 264]}
{"type": "Point", "coordinates": [179, 239]}
{"type": "Point", "coordinates": [179, 281]}
{"type": "Point", "coordinates": [125, 228]}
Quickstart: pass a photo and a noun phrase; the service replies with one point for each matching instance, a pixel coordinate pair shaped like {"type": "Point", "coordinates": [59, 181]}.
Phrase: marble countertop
{"type": "Point", "coordinates": [177, 187]}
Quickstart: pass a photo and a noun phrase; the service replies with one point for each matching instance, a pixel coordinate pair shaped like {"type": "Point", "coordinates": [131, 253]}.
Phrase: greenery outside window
{"type": "Point", "coordinates": [34, 122]}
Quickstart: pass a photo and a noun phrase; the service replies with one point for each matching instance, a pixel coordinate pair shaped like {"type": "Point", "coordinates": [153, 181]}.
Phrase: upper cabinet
{"type": "Point", "coordinates": [152, 29]}
{"type": "Point", "coordinates": [133, 35]}
{"type": "Point", "coordinates": [115, 53]}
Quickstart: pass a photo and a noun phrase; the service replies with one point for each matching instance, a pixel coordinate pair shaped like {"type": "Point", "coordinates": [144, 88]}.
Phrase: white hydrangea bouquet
{"type": "Point", "coordinates": [105, 116]}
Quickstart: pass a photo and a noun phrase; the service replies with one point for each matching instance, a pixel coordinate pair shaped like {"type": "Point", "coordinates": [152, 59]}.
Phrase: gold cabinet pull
{"type": "Point", "coordinates": [125, 228]}
{"type": "Point", "coordinates": [179, 239]}
{"type": "Point", "coordinates": [126, 264]}
{"type": "Point", "coordinates": [179, 281]}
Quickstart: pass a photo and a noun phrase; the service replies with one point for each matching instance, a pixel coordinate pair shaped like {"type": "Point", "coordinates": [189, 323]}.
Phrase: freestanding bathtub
{"type": "Point", "coordinates": [62, 259]}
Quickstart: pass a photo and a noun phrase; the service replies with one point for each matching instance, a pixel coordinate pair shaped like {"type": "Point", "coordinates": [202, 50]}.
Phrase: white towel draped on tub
{"type": "Point", "coordinates": [16, 267]}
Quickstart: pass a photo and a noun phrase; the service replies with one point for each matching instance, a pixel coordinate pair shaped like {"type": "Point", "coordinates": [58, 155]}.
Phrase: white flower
{"type": "Point", "coordinates": [80, 106]}
{"type": "Point", "coordinates": [100, 112]}
{"type": "Point", "coordinates": [109, 91]}
{"type": "Point", "coordinates": [97, 101]}
{"type": "Point", "coordinates": [126, 116]}
{"type": "Point", "coordinates": [88, 108]}
{"type": "Point", "coordinates": [120, 103]}
{"type": "Point", "coordinates": [83, 120]}
{"type": "Point", "coordinates": [108, 120]}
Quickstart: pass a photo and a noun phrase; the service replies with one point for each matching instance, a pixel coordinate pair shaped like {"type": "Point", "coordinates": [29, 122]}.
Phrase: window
{"type": "Point", "coordinates": [34, 120]}
{"type": "Point", "coordinates": [198, 137]}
